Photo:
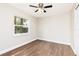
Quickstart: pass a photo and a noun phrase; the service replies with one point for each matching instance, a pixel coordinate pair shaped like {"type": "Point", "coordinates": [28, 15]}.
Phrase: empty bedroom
{"type": "Point", "coordinates": [39, 29]}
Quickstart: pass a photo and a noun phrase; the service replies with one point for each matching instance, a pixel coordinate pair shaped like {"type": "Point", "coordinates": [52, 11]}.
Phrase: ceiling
{"type": "Point", "coordinates": [57, 9]}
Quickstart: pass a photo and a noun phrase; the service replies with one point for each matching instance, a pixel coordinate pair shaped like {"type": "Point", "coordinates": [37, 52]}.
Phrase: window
{"type": "Point", "coordinates": [20, 25]}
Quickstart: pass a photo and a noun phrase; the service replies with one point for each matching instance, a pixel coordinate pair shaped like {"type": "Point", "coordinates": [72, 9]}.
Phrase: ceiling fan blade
{"type": "Point", "coordinates": [44, 11]}
{"type": "Point", "coordinates": [49, 6]}
{"type": "Point", "coordinates": [36, 10]}
{"type": "Point", "coordinates": [33, 6]}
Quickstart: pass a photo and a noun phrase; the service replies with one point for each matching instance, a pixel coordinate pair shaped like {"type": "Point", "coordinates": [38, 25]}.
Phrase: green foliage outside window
{"type": "Point", "coordinates": [20, 27]}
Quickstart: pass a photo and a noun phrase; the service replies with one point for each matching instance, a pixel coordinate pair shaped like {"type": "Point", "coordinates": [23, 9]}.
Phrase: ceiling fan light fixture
{"type": "Point", "coordinates": [41, 7]}
{"type": "Point", "coordinates": [40, 10]}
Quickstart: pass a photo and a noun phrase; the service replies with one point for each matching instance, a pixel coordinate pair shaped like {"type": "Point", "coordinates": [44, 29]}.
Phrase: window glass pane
{"type": "Point", "coordinates": [20, 25]}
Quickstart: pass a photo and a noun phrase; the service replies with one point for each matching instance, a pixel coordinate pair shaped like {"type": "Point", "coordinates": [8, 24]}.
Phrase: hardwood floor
{"type": "Point", "coordinates": [41, 48]}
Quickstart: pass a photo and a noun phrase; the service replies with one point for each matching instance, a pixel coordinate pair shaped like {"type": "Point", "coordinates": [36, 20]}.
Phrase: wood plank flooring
{"type": "Point", "coordinates": [41, 48]}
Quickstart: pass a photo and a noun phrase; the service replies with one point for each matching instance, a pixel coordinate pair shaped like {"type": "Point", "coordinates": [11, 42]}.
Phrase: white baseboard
{"type": "Point", "coordinates": [74, 50]}
{"type": "Point", "coordinates": [12, 48]}
{"type": "Point", "coordinates": [55, 41]}
{"type": "Point", "coordinates": [62, 43]}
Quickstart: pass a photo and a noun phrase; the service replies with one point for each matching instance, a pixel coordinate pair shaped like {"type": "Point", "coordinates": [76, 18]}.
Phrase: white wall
{"type": "Point", "coordinates": [55, 28]}
{"type": "Point", "coordinates": [76, 31]}
{"type": "Point", "coordinates": [7, 37]}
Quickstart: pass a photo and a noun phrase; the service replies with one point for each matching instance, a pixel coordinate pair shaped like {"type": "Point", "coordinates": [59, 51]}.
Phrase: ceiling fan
{"type": "Point", "coordinates": [41, 7]}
